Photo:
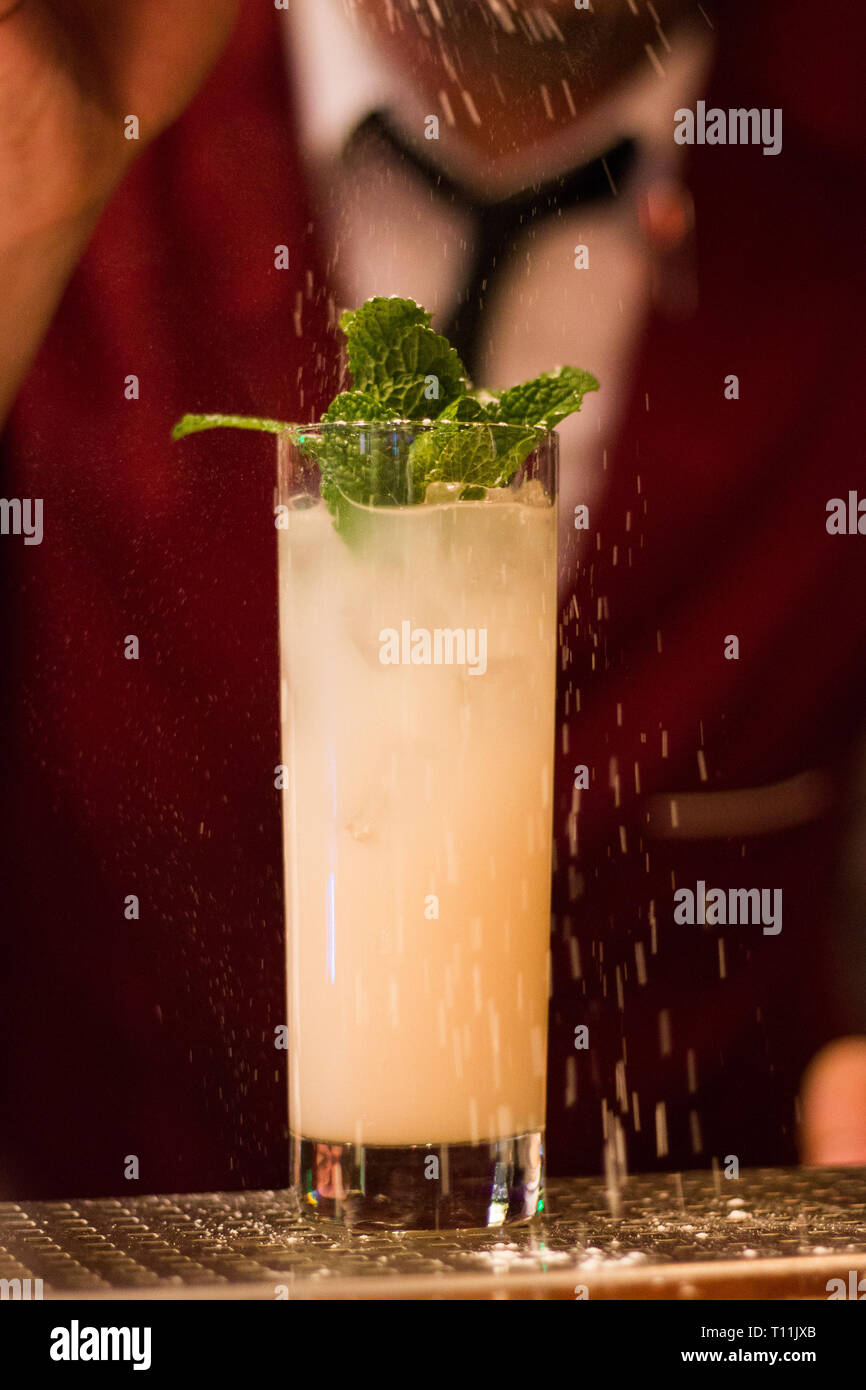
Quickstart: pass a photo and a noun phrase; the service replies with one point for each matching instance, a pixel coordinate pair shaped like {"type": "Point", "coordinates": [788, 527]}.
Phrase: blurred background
{"type": "Point", "coordinates": [514, 168]}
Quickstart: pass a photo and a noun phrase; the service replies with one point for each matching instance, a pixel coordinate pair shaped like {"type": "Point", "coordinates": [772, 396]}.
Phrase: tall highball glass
{"type": "Point", "coordinates": [418, 658]}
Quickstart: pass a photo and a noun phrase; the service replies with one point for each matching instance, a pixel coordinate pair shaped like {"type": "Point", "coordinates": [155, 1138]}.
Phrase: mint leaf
{"type": "Point", "coordinates": [356, 405]}
{"type": "Point", "coordinates": [360, 464]}
{"type": "Point", "coordinates": [412, 397]}
{"type": "Point", "coordinates": [390, 340]}
{"type": "Point", "coordinates": [466, 408]}
{"type": "Point", "coordinates": [192, 424]}
{"type": "Point", "coordinates": [547, 399]}
{"type": "Point", "coordinates": [490, 458]}
{"type": "Point", "coordinates": [446, 453]}
{"type": "Point", "coordinates": [357, 465]}
{"type": "Point", "coordinates": [404, 398]}
{"type": "Point", "coordinates": [480, 458]}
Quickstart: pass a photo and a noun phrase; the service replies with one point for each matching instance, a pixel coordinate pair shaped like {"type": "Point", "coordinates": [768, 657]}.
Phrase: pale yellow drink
{"type": "Point", "coordinates": [418, 822]}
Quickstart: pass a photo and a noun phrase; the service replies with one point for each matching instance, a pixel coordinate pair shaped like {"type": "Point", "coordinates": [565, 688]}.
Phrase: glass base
{"type": "Point", "coordinates": [420, 1187]}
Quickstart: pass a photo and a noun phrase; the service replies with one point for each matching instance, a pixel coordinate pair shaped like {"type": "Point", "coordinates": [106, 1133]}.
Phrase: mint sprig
{"type": "Point", "coordinates": [402, 371]}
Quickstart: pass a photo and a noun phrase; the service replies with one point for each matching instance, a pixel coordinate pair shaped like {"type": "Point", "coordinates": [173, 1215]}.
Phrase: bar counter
{"type": "Point", "coordinates": [772, 1233]}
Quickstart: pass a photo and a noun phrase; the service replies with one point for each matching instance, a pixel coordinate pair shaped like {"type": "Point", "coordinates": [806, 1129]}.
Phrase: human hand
{"type": "Point", "coordinates": [71, 71]}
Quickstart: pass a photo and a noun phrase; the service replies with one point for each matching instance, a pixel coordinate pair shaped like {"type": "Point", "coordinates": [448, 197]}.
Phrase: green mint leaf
{"type": "Point", "coordinates": [465, 407]}
{"type": "Point", "coordinates": [485, 458]}
{"type": "Point", "coordinates": [480, 458]}
{"type": "Point", "coordinates": [356, 464]}
{"type": "Point", "coordinates": [390, 340]}
{"type": "Point", "coordinates": [350, 406]}
{"type": "Point", "coordinates": [360, 464]}
{"type": "Point", "coordinates": [343, 508]}
{"type": "Point", "coordinates": [547, 399]}
{"type": "Point", "coordinates": [448, 454]}
{"type": "Point", "coordinates": [411, 397]}
{"type": "Point", "coordinates": [515, 451]}
{"type": "Point", "coordinates": [192, 424]}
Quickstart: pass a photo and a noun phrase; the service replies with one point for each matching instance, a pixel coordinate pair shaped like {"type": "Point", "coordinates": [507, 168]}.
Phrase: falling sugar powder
{"type": "Point", "coordinates": [661, 1129]}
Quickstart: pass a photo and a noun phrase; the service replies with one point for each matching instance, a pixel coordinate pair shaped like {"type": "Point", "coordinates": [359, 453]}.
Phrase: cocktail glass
{"type": "Point", "coordinates": [418, 657]}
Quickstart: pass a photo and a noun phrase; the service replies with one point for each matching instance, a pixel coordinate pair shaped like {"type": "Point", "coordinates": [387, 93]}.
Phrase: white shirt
{"type": "Point", "coordinates": [383, 234]}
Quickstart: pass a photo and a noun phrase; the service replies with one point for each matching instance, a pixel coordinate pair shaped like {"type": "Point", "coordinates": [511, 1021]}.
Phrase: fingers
{"type": "Point", "coordinates": [833, 1097]}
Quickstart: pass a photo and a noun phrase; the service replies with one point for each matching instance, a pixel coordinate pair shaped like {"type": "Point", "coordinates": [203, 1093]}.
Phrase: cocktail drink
{"type": "Point", "coordinates": [418, 654]}
{"type": "Point", "coordinates": [417, 598]}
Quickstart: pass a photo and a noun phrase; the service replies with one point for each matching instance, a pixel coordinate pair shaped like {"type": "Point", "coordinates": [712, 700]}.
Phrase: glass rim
{"type": "Point", "coordinates": [540, 431]}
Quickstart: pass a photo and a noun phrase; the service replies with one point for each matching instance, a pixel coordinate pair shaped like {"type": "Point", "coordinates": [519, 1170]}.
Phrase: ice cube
{"type": "Point", "coordinates": [443, 492]}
